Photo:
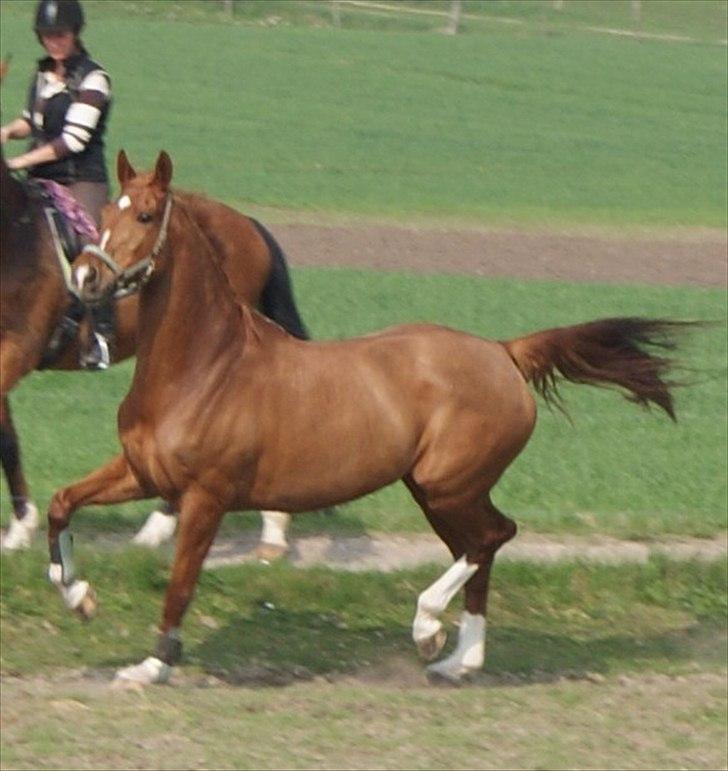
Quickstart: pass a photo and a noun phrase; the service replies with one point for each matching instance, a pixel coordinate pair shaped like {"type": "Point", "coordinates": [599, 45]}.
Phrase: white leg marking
{"type": "Point", "coordinates": [158, 528]}
{"type": "Point", "coordinates": [275, 524]}
{"type": "Point", "coordinates": [433, 601]}
{"type": "Point", "coordinates": [151, 670]}
{"type": "Point", "coordinates": [21, 531]}
{"type": "Point", "coordinates": [469, 653]}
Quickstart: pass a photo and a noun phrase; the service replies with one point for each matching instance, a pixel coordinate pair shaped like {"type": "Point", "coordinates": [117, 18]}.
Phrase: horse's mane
{"type": "Point", "coordinates": [19, 231]}
{"type": "Point", "coordinates": [253, 323]}
{"type": "Point", "coordinates": [252, 319]}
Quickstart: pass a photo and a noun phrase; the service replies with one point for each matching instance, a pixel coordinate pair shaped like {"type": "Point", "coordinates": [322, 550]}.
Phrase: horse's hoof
{"type": "Point", "coordinates": [269, 552]}
{"type": "Point", "coordinates": [429, 648]}
{"type": "Point", "coordinates": [86, 609]}
{"type": "Point", "coordinates": [449, 671]}
{"type": "Point", "coordinates": [152, 670]}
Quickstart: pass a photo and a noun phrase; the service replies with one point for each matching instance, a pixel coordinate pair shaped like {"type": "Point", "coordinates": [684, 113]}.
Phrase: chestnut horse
{"type": "Point", "coordinates": [34, 300]}
{"type": "Point", "coordinates": [227, 411]}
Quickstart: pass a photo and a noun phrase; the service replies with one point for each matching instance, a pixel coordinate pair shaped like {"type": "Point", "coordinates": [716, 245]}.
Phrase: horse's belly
{"type": "Point", "coordinates": [335, 470]}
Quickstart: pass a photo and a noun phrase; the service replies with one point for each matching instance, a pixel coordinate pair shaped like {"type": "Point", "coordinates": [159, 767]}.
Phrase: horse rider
{"type": "Point", "coordinates": [65, 117]}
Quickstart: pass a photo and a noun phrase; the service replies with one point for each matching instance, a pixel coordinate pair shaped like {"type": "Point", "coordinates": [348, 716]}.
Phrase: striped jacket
{"type": "Point", "coordinates": [71, 114]}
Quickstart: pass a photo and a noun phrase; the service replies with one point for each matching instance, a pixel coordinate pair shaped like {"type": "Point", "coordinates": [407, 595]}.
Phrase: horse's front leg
{"type": "Point", "coordinates": [114, 482]}
{"type": "Point", "coordinates": [25, 515]}
{"type": "Point", "coordinates": [199, 520]}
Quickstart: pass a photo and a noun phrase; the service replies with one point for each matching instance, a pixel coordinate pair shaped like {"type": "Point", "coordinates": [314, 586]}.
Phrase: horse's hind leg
{"type": "Point", "coordinates": [427, 630]}
{"type": "Point", "coordinates": [25, 515]}
{"type": "Point", "coordinates": [199, 520]}
{"type": "Point", "coordinates": [486, 532]}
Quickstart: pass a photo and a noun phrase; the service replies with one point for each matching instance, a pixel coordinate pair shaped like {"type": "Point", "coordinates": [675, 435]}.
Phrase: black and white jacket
{"type": "Point", "coordinates": [71, 114]}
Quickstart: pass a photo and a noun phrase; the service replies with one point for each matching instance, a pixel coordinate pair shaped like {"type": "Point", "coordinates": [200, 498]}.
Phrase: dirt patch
{"type": "Point", "coordinates": [387, 551]}
{"type": "Point", "coordinates": [692, 258]}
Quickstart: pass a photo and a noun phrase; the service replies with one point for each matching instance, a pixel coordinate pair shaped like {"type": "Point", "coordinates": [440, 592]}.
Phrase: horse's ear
{"type": "Point", "coordinates": [4, 67]}
{"type": "Point", "coordinates": [163, 170]}
{"type": "Point", "coordinates": [124, 169]}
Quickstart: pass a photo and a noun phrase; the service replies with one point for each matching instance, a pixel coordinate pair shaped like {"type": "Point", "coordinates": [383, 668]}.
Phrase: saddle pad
{"type": "Point", "coordinates": [76, 216]}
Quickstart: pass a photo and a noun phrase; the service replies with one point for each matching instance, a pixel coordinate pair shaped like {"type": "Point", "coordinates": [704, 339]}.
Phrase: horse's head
{"type": "Point", "coordinates": [133, 233]}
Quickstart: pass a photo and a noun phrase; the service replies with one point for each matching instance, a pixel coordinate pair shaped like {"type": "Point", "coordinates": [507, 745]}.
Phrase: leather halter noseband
{"type": "Point", "coordinates": [130, 280]}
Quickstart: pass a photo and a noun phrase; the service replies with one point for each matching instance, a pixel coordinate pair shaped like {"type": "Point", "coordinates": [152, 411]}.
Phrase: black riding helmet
{"type": "Point", "coordinates": [58, 16]}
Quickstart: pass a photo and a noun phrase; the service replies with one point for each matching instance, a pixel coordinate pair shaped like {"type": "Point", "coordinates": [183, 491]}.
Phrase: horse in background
{"type": "Point", "coordinates": [34, 299]}
{"type": "Point", "coordinates": [226, 411]}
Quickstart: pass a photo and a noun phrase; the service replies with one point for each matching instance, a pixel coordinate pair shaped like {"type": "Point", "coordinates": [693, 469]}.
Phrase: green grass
{"type": "Point", "coordinates": [615, 469]}
{"type": "Point", "coordinates": [704, 20]}
{"type": "Point", "coordinates": [507, 126]}
{"type": "Point", "coordinates": [552, 619]}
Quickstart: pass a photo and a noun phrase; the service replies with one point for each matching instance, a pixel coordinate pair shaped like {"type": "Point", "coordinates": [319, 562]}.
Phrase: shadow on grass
{"type": "Point", "coordinates": [291, 646]}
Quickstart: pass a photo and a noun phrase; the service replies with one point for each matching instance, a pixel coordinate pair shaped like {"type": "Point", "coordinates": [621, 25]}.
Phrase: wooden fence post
{"type": "Point", "coordinates": [336, 12]}
{"type": "Point", "coordinates": [456, 8]}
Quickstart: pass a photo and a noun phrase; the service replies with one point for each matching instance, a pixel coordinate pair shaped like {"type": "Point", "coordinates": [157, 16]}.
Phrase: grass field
{"type": "Point", "coordinates": [505, 126]}
{"type": "Point", "coordinates": [532, 121]}
{"type": "Point", "coordinates": [315, 669]}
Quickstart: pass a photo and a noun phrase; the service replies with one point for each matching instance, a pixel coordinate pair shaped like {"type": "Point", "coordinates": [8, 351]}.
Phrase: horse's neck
{"type": "Point", "coordinates": [189, 319]}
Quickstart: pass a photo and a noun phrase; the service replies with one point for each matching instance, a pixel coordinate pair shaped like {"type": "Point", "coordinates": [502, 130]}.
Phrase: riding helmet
{"type": "Point", "coordinates": [58, 16]}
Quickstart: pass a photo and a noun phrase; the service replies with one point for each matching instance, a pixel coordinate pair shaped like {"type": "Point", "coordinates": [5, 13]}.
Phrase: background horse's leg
{"type": "Point", "coordinates": [199, 520]}
{"type": "Point", "coordinates": [25, 515]}
{"type": "Point", "coordinates": [114, 482]}
{"type": "Point", "coordinates": [158, 528]}
{"type": "Point", "coordinates": [273, 544]}
{"type": "Point", "coordinates": [487, 530]}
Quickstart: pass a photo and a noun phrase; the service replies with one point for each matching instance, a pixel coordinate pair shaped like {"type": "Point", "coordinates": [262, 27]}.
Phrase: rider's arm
{"type": "Point", "coordinates": [16, 129]}
{"type": "Point", "coordinates": [42, 154]}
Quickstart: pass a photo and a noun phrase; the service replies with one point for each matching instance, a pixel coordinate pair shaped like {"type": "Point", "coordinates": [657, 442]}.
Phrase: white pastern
{"type": "Point", "coordinates": [158, 529]}
{"type": "Point", "coordinates": [21, 531]}
{"type": "Point", "coordinates": [73, 594]}
{"type": "Point", "coordinates": [469, 653]}
{"type": "Point", "coordinates": [151, 670]}
{"type": "Point", "coordinates": [433, 601]}
{"type": "Point", "coordinates": [275, 524]}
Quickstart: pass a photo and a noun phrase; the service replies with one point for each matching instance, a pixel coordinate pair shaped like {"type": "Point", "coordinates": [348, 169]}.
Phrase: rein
{"type": "Point", "coordinates": [130, 280]}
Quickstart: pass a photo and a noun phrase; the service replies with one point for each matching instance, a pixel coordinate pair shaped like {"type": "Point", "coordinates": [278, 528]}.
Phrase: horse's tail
{"type": "Point", "coordinates": [276, 301]}
{"type": "Point", "coordinates": [612, 352]}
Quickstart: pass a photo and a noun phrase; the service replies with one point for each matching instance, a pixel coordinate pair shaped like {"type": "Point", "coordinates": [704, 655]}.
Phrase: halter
{"type": "Point", "coordinates": [130, 280]}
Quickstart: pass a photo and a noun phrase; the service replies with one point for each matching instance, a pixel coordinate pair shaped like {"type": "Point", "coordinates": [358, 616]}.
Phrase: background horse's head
{"type": "Point", "coordinates": [133, 229]}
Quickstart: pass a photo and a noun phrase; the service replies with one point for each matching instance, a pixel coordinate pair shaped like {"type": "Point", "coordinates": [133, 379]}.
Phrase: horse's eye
{"type": "Point", "coordinates": [144, 217]}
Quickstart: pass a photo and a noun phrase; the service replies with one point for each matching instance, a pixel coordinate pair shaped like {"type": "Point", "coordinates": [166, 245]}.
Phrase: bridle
{"type": "Point", "coordinates": [130, 280]}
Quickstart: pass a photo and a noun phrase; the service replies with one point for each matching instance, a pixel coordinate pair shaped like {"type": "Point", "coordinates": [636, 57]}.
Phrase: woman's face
{"type": "Point", "coordinates": [59, 45]}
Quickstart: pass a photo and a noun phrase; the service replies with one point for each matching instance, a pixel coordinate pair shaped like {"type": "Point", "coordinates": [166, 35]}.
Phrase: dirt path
{"type": "Point", "coordinates": [691, 258]}
{"type": "Point", "coordinates": [386, 551]}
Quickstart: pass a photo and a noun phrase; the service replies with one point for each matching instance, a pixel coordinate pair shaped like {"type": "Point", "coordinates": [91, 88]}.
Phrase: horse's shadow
{"type": "Point", "coordinates": [291, 646]}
